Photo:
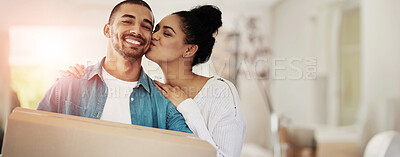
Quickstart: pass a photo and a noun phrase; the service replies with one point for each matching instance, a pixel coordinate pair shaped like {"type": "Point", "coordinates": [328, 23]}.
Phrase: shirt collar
{"type": "Point", "coordinates": [144, 79]}
{"type": "Point", "coordinates": [95, 70]}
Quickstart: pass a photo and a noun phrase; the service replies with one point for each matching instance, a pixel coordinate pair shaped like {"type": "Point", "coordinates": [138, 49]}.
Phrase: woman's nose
{"type": "Point", "coordinates": [155, 36]}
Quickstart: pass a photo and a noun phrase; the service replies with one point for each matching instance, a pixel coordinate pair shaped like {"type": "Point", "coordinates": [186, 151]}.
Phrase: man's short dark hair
{"type": "Point", "coordinates": [115, 9]}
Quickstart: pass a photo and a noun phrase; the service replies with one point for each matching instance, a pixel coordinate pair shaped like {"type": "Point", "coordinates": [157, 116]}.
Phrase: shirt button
{"type": "Point", "coordinates": [131, 99]}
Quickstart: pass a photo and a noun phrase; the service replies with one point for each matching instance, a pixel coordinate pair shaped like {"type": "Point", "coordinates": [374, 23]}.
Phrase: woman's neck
{"type": "Point", "coordinates": [177, 73]}
{"type": "Point", "coordinates": [180, 74]}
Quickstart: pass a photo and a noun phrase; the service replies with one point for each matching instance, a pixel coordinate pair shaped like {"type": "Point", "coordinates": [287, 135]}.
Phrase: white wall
{"type": "Point", "coordinates": [295, 98]}
{"type": "Point", "coordinates": [379, 60]}
{"type": "Point", "coordinates": [380, 54]}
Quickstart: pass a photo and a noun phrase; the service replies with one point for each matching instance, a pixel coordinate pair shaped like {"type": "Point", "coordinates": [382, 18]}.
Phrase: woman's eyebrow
{"type": "Point", "coordinates": [168, 27]}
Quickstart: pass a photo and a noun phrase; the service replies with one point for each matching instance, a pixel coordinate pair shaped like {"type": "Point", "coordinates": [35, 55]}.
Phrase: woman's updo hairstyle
{"type": "Point", "coordinates": [199, 25]}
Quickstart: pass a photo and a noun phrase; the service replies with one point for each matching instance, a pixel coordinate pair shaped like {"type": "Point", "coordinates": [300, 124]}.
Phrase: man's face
{"type": "Point", "coordinates": [130, 31]}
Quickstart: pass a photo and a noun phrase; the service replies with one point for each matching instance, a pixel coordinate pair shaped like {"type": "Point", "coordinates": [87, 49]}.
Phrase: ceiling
{"type": "Point", "coordinates": [95, 12]}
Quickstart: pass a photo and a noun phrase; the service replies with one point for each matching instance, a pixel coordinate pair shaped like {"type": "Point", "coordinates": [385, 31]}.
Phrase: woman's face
{"type": "Point", "coordinates": [168, 41]}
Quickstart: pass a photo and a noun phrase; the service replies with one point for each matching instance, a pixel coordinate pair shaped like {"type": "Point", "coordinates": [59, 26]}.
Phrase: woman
{"type": "Point", "coordinates": [210, 106]}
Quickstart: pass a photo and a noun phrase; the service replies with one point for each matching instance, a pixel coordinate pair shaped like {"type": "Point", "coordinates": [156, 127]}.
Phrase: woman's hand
{"type": "Point", "coordinates": [77, 71]}
{"type": "Point", "coordinates": [174, 94]}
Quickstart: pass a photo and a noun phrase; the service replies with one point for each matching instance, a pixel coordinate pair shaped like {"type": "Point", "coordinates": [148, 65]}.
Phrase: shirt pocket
{"type": "Point", "coordinates": [72, 108]}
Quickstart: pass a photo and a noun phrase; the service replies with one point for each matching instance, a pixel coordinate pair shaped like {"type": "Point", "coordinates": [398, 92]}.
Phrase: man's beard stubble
{"type": "Point", "coordinates": [131, 57]}
{"type": "Point", "coordinates": [130, 54]}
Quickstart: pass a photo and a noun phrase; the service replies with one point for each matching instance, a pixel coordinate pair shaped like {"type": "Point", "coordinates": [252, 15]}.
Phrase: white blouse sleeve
{"type": "Point", "coordinates": [189, 110]}
{"type": "Point", "coordinates": [227, 134]}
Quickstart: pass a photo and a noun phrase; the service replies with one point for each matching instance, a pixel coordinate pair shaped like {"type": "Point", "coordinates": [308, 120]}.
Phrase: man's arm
{"type": "Point", "coordinates": [51, 99]}
{"type": "Point", "coordinates": [175, 120]}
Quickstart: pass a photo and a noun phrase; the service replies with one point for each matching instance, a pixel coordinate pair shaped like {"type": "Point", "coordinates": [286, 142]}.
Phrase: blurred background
{"type": "Point", "coordinates": [327, 68]}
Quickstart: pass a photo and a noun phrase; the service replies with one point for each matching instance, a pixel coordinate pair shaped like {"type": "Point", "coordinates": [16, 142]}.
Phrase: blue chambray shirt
{"type": "Point", "coordinates": [87, 96]}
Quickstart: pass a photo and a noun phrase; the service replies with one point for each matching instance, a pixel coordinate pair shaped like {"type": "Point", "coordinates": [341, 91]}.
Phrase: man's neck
{"type": "Point", "coordinates": [123, 69]}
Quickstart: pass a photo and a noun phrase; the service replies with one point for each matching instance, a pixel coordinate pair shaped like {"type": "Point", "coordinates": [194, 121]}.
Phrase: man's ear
{"type": "Point", "coordinates": [190, 51]}
{"type": "Point", "coordinates": [106, 31]}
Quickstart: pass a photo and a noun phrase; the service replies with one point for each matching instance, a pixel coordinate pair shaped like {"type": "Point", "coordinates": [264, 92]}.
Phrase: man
{"type": "Point", "coordinates": [117, 89]}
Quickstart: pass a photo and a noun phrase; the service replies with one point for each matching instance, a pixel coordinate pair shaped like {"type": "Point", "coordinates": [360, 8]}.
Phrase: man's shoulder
{"type": "Point", "coordinates": [72, 81]}
{"type": "Point", "coordinates": [65, 80]}
{"type": "Point", "coordinates": [157, 95]}
{"type": "Point", "coordinates": [153, 90]}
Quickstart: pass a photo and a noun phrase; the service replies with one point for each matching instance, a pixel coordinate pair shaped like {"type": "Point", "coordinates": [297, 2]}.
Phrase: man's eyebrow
{"type": "Point", "coordinates": [168, 27]}
{"type": "Point", "coordinates": [133, 17]}
{"type": "Point", "coordinates": [148, 21]}
{"type": "Point", "coordinates": [129, 16]}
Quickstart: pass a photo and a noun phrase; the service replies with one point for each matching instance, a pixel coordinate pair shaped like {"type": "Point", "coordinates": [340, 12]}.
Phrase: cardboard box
{"type": "Point", "coordinates": [44, 134]}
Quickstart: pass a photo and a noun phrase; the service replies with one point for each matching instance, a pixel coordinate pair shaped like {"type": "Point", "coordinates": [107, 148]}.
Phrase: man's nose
{"type": "Point", "coordinates": [136, 30]}
{"type": "Point", "coordinates": [133, 31]}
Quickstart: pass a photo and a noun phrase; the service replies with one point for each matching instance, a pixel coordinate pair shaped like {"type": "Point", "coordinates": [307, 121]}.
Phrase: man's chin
{"type": "Point", "coordinates": [132, 59]}
{"type": "Point", "coordinates": [133, 56]}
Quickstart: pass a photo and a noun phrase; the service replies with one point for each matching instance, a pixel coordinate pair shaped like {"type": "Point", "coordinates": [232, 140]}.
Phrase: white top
{"type": "Point", "coordinates": [215, 115]}
{"type": "Point", "coordinates": [117, 107]}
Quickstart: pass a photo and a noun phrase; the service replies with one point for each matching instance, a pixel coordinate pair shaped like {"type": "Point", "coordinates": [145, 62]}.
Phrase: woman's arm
{"type": "Point", "coordinates": [189, 110]}
{"type": "Point", "coordinates": [226, 125]}
{"type": "Point", "coordinates": [194, 119]}
{"type": "Point", "coordinates": [226, 120]}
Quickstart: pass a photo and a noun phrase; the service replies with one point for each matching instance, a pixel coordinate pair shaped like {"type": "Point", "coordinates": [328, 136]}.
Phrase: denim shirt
{"type": "Point", "coordinates": [87, 96]}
